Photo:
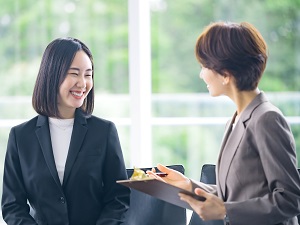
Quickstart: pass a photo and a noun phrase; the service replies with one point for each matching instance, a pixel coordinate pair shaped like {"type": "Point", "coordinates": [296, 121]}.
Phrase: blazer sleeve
{"type": "Point", "coordinates": [116, 197]}
{"type": "Point", "coordinates": [15, 209]}
{"type": "Point", "coordinates": [276, 148]}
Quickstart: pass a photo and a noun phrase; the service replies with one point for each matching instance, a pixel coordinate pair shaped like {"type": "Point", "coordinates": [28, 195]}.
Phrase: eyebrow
{"type": "Point", "coordinates": [74, 68]}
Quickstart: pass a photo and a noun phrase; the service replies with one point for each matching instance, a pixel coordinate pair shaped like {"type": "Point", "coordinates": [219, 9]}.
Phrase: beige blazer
{"type": "Point", "coordinates": [256, 172]}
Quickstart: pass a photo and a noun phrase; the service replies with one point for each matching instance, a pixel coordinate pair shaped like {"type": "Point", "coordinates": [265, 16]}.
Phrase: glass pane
{"type": "Point", "coordinates": [27, 26]}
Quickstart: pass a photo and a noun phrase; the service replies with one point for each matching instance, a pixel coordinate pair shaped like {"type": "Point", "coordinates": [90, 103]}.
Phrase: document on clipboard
{"type": "Point", "coordinates": [160, 190]}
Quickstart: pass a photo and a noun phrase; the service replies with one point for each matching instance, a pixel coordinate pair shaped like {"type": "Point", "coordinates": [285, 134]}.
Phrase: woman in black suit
{"type": "Point", "coordinates": [61, 166]}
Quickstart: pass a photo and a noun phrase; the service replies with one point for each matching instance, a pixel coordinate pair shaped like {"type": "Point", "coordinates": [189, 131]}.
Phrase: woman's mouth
{"type": "Point", "coordinates": [77, 94]}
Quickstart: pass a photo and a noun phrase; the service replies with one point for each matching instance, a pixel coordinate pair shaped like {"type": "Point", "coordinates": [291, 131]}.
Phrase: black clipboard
{"type": "Point", "coordinates": [160, 190]}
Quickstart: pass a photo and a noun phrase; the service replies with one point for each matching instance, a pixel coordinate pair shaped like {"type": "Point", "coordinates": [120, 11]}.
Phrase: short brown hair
{"type": "Point", "coordinates": [235, 48]}
{"type": "Point", "coordinates": [56, 61]}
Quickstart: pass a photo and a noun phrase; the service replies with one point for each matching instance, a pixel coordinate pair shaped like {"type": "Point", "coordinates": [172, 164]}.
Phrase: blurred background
{"type": "Point", "coordinates": [181, 123]}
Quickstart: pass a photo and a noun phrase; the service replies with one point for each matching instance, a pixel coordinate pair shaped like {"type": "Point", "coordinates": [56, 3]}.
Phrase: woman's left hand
{"type": "Point", "coordinates": [212, 208]}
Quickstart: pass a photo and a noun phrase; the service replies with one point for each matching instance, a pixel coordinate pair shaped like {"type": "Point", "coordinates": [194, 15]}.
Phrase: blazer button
{"type": "Point", "coordinates": [62, 200]}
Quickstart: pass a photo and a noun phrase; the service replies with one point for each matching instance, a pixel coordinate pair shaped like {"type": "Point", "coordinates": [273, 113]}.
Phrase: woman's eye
{"type": "Point", "coordinates": [73, 74]}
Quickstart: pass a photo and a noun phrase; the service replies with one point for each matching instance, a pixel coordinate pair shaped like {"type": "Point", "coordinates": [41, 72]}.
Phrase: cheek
{"type": "Point", "coordinates": [66, 84]}
{"type": "Point", "coordinates": [89, 86]}
{"type": "Point", "coordinates": [89, 83]}
{"type": "Point", "coordinates": [206, 78]}
{"type": "Point", "coordinates": [61, 89]}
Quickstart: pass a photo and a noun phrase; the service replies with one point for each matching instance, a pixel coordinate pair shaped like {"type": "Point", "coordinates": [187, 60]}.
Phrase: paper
{"type": "Point", "coordinates": [160, 190]}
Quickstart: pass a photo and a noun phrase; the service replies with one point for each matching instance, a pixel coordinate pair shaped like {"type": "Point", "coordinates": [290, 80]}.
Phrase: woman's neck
{"type": "Point", "coordinates": [243, 98]}
{"type": "Point", "coordinates": [67, 114]}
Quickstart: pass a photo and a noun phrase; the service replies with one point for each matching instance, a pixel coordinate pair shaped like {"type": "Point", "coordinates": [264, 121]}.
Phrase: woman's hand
{"type": "Point", "coordinates": [212, 208]}
{"type": "Point", "coordinates": [173, 177]}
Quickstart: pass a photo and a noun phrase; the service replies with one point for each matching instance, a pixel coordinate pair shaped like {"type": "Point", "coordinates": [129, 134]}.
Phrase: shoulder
{"type": "Point", "coordinates": [263, 108]}
{"type": "Point", "coordinates": [268, 118]}
{"type": "Point", "coordinates": [25, 129]}
{"type": "Point", "coordinates": [98, 119]}
{"type": "Point", "coordinates": [261, 114]}
{"type": "Point", "coordinates": [93, 122]}
{"type": "Point", "coordinates": [267, 112]}
{"type": "Point", "coordinates": [82, 118]}
{"type": "Point", "coordinates": [96, 123]}
{"type": "Point", "coordinates": [26, 124]}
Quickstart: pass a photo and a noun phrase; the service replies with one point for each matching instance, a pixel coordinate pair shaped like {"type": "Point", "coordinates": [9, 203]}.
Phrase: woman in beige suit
{"type": "Point", "coordinates": [257, 178]}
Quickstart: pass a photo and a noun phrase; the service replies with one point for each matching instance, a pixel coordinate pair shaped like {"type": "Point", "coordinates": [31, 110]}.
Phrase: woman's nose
{"type": "Point", "coordinates": [81, 83]}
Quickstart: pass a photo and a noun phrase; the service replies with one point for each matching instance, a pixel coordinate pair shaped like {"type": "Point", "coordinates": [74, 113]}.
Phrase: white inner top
{"type": "Point", "coordinates": [60, 132]}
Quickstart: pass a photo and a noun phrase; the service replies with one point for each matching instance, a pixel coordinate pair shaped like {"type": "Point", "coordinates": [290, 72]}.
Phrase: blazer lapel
{"type": "Point", "coordinates": [78, 135]}
{"type": "Point", "coordinates": [43, 135]}
{"type": "Point", "coordinates": [230, 145]}
{"type": "Point", "coordinates": [232, 139]}
{"type": "Point", "coordinates": [227, 132]}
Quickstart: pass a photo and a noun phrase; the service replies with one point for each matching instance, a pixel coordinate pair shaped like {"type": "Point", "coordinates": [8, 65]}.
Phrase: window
{"type": "Point", "coordinates": [185, 125]}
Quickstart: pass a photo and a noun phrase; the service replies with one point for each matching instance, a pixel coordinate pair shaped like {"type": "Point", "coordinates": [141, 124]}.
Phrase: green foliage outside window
{"type": "Point", "coordinates": [27, 26]}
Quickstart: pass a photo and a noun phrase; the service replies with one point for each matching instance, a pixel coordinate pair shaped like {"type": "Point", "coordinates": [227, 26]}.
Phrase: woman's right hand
{"type": "Point", "coordinates": [173, 177]}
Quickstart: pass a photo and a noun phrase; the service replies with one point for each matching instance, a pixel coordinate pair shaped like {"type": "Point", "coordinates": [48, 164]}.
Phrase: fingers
{"type": "Point", "coordinates": [194, 203]}
{"type": "Point", "coordinates": [161, 168]}
{"type": "Point", "coordinates": [151, 172]}
{"type": "Point", "coordinates": [154, 175]}
{"type": "Point", "coordinates": [211, 209]}
{"type": "Point", "coordinates": [166, 173]}
{"type": "Point", "coordinates": [164, 169]}
{"type": "Point", "coordinates": [201, 192]}
{"type": "Point", "coordinates": [188, 198]}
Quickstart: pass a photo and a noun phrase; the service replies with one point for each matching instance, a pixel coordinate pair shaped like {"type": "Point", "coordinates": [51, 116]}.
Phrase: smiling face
{"type": "Point", "coordinates": [215, 82]}
{"type": "Point", "coordinates": [76, 86]}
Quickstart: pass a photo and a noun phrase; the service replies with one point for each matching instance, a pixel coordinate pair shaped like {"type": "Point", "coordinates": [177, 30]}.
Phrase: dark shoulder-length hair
{"type": "Point", "coordinates": [56, 61]}
{"type": "Point", "coordinates": [235, 48]}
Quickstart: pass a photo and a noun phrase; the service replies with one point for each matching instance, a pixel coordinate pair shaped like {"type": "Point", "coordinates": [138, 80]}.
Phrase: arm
{"type": "Point", "coordinates": [15, 209]}
{"type": "Point", "coordinates": [116, 197]}
{"type": "Point", "coordinates": [178, 179]}
{"type": "Point", "coordinates": [214, 206]}
{"type": "Point", "coordinates": [281, 199]}
{"type": "Point", "coordinates": [276, 149]}
{"type": "Point", "coordinates": [173, 177]}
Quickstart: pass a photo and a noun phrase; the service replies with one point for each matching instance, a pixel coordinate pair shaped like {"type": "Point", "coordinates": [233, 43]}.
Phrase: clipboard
{"type": "Point", "coordinates": [161, 190]}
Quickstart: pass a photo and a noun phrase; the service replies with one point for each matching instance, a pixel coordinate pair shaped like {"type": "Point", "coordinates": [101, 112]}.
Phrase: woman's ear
{"type": "Point", "coordinates": [226, 77]}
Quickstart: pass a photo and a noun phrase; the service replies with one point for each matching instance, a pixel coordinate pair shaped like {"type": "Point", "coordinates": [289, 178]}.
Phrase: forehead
{"type": "Point", "coordinates": [81, 59]}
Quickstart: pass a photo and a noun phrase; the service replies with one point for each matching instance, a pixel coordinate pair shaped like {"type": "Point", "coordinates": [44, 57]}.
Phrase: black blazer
{"type": "Point", "coordinates": [89, 194]}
